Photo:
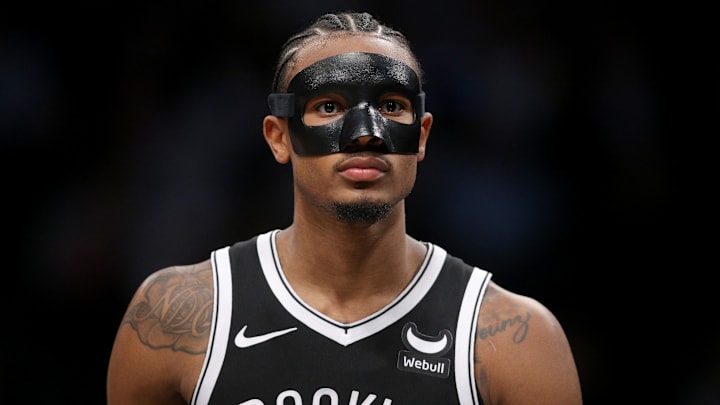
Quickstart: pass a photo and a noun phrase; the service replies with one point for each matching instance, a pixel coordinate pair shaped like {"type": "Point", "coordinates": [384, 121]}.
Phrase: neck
{"type": "Point", "coordinates": [349, 271]}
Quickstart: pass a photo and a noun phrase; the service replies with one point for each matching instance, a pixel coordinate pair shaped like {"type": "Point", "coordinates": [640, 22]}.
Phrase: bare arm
{"type": "Point", "coordinates": [161, 342]}
{"type": "Point", "coordinates": [522, 353]}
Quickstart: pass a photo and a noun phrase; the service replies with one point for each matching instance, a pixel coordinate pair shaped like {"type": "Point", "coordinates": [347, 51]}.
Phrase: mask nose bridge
{"type": "Point", "coordinates": [361, 120]}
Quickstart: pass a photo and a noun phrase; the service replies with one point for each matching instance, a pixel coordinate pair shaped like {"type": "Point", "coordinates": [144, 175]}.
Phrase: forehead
{"type": "Point", "coordinates": [325, 48]}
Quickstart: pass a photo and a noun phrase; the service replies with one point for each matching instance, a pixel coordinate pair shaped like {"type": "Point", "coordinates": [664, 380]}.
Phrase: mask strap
{"type": "Point", "coordinates": [420, 105]}
{"type": "Point", "coordinates": [282, 104]}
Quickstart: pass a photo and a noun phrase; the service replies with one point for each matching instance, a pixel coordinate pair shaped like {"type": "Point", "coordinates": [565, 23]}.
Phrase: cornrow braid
{"type": "Point", "coordinates": [329, 25]}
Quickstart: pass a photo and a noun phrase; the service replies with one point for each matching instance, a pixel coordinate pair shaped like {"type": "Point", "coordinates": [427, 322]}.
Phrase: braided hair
{"type": "Point", "coordinates": [331, 25]}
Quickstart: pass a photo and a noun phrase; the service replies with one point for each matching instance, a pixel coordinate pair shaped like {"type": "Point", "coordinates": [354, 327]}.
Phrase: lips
{"type": "Point", "coordinates": [363, 168]}
{"type": "Point", "coordinates": [363, 162]}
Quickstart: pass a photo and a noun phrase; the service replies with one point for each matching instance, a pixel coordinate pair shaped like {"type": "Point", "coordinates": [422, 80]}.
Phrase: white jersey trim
{"type": "Point", "coordinates": [465, 343]}
{"type": "Point", "coordinates": [220, 328]}
{"type": "Point", "coordinates": [346, 334]}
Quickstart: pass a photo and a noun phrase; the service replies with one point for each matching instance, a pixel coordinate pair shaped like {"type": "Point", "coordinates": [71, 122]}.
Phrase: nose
{"type": "Point", "coordinates": [366, 142]}
{"type": "Point", "coordinates": [362, 126]}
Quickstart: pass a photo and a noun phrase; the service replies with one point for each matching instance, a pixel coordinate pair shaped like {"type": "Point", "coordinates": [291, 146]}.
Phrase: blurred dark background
{"type": "Point", "coordinates": [567, 157]}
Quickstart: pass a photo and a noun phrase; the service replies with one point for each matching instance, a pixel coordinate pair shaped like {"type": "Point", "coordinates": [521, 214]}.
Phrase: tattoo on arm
{"type": "Point", "coordinates": [176, 310]}
{"type": "Point", "coordinates": [519, 324]}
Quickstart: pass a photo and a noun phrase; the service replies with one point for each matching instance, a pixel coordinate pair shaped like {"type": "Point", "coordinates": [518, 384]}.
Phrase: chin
{"type": "Point", "coordinates": [362, 211]}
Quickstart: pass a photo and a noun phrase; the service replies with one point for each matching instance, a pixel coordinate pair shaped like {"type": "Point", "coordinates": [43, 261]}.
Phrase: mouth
{"type": "Point", "coordinates": [363, 168]}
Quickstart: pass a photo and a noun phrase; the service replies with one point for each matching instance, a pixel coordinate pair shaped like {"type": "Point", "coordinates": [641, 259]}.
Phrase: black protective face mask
{"type": "Point", "coordinates": [361, 78]}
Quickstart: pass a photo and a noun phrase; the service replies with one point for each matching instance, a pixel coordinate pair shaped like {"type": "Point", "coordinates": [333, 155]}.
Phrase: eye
{"type": "Point", "coordinates": [392, 106]}
{"type": "Point", "coordinates": [323, 109]}
{"type": "Point", "coordinates": [328, 107]}
{"type": "Point", "coordinates": [325, 106]}
{"type": "Point", "coordinates": [396, 107]}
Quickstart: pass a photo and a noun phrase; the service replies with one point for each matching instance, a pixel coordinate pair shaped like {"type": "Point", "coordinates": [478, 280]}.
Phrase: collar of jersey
{"type": "Point", "coordinates": [342, 333]}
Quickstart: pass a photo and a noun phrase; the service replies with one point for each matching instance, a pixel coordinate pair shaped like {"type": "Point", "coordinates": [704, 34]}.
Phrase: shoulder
{"type": "Point", "coordinates": [180, 286]}
{"type": "Point", "coordinates": [177, 301]}
{"type": "Point", "coordinates": [522, 352]}
{"type": "Point", "coordinates": [506, 313]}
{"type": "Point", "coordinates": [162, 339]}
{"type": "Point", "coordinates": [172, 309]}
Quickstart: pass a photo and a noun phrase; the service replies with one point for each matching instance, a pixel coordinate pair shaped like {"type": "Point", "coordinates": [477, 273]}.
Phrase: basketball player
{"type": "Point", "coordinates": [342, 306]}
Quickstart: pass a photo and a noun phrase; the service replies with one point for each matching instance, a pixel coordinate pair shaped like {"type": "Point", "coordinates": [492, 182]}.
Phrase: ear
{"type": "Point", "coordinates": [278, 138]}
{"type": "Point", "coordinates": [425, 124]}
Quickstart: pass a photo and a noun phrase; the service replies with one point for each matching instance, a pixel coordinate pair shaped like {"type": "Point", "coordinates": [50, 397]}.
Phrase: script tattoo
{"type": "Point", "coordinates": [176, 311]}
{"type": "Point", "coordinates": [522, 325]}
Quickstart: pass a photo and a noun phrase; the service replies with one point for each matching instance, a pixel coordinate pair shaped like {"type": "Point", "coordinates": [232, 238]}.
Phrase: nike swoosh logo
{"type": "Point", "coordinates": [243, 341]}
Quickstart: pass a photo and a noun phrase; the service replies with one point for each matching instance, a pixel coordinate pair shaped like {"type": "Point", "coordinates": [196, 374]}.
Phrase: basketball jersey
{"type": "Point", "coordinates": [268, 347]}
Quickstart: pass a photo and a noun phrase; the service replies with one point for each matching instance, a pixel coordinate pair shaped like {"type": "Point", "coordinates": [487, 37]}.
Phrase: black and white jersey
{"type": "Point", "coordinates": [268, 347]}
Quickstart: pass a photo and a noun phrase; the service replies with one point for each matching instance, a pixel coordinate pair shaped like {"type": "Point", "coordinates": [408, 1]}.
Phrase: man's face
{"type": "Point", "coordinates": [365, 180]}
